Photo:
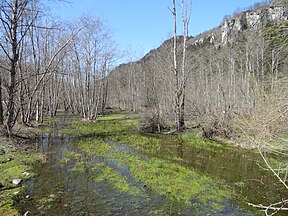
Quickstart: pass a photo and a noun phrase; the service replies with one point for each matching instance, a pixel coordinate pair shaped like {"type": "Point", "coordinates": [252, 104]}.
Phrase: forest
{"type": "Point", "coordinates": [130, 129]}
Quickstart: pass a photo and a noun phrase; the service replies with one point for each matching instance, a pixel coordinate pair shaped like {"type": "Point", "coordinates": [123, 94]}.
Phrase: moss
{"type": "Point", "coordinates": [14, 168]}
{"type": "Point", "coordinates": [94, 147]}
{"type": "Point", "coordinates": [13, 165]}
{"type": "Point", "coordinates": [9, 212]}
{"type": "Point", "coordinates": [7, 201]}
{"type": "Point", "coordinates": [161, 176]}
{"type": "Point", "coordinates": [102, 173]}
{"type": "Point", "coordinates": [176, 182]}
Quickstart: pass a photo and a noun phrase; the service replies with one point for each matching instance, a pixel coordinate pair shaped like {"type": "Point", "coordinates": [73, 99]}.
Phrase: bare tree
{"type": "Point", "coordinates": [87, 64]}
{"type": "Point", "coordinates": [1, 104]}
{"type": "Point", "coordinates": [180, 74]}
{"type": "Point", "coordinates": [17, 17]}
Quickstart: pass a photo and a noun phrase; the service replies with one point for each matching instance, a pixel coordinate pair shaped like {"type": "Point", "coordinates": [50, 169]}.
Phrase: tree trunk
{"type": "Point", "coordinates": [180, 78]}
{"type": "Point", "coordinates": [176, 72]}
{"type": "Point", "coordinates": [1, 104]}
{"type": "Point", "coordinates": [13, 62]}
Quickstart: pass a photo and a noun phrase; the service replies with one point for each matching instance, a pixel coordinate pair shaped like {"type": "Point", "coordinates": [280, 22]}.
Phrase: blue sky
{"type": "Point", "coordinates": [142, 25]}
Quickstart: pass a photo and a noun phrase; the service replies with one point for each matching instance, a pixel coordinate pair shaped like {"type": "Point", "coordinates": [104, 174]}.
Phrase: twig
{"type": "Point", "coordinates": [274, 206]}
{"type": "Point", "coordinates": [270, 207]}
{"type": "Point", "coordinates": [268, 165]}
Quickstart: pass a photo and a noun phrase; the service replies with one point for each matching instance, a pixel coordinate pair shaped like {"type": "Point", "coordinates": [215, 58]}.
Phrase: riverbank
{"type": "Point", "coordinates": [18, 155]}
{"type": "Point", "coordinates": [109, 167]}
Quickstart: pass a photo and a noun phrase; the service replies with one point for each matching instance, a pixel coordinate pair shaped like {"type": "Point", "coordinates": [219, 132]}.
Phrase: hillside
{"type": "Point", "coordinates": [235, 78]}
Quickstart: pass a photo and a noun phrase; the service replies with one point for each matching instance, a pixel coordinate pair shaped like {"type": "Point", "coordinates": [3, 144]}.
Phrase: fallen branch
{"type": "Point", "coordinates": [268, 165]}
{"type": "Point", "coordinates": [272, 207]}
{"type": "Point", "coordinates": [275, 207]}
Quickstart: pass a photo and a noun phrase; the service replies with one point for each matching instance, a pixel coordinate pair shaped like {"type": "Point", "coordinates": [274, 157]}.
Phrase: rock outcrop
{"type": "Point", "coordinates": [255, 20]}
{"type": "Point", "coordinates": [247, 20]}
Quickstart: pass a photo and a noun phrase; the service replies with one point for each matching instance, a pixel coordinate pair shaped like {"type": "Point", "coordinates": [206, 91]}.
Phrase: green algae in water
{"type": "Point", "coordinates": [149, 161]}
{"type": "Point", "coordinates": [104, 173]}
{"type": "Point", "coordinates": [201, 143]}
{"type": "Point", "coordinates": [165, 178]}
{"type": "Point", "coordinates": [7, 201]}
{"type": "Point", "coordinates": [94, 147]}
{"type": "Point", "coordinates": [176, 182]}
{"type": "Point", "coordinates": [97, 171]}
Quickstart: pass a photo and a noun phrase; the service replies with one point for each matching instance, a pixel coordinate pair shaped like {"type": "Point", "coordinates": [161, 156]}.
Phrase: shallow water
{"type": "Point", "coordinates": [69, 185]}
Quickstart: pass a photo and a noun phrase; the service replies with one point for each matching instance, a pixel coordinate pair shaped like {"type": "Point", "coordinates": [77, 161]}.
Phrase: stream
{"type": "Point", "coordinates": [105, 177]}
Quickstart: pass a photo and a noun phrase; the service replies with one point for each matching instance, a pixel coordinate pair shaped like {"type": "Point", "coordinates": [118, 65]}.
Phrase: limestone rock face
{"type": "Point", "coordinates": [247, 20]}
{"type": "Point", "coordinates": [256, 20]}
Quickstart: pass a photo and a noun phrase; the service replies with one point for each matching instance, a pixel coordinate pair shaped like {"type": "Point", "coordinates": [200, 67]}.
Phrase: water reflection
{"type": "Point", "coordinates": [71, 189]}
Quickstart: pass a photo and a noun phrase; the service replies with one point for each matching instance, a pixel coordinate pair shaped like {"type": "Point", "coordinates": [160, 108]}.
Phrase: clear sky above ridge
{"type": "Point", "coordinates": [142, 25]}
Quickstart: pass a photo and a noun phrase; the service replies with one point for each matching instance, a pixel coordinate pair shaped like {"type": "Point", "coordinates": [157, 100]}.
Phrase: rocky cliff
{"type": "Point", "coordinates": [246, 20]}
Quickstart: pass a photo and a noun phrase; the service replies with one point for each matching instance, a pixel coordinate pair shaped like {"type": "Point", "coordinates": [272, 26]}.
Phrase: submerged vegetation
{"type": "Point", "coordinates": [184, 172]}
{"type": "Point", "coordinates": [105, 139]}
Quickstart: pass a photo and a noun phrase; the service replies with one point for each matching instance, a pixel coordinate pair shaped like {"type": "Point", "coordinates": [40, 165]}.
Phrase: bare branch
{"type": "Point", "coordinates": [273, 171]}
{"type": "Point", "coordinates": [272, 207]}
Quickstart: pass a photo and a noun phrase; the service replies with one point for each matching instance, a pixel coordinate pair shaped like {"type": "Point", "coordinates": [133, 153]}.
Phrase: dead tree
{"type": "Point", "coordinates": [180, 73]}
